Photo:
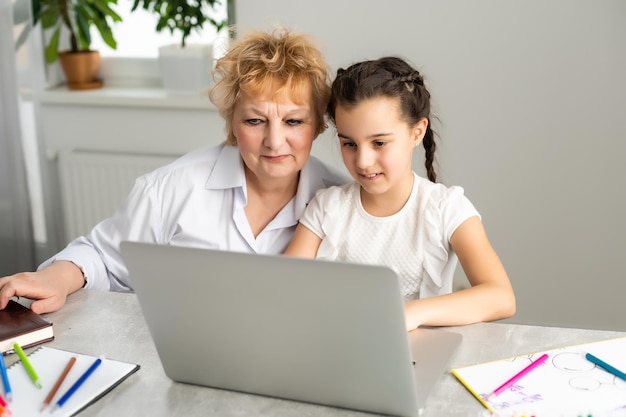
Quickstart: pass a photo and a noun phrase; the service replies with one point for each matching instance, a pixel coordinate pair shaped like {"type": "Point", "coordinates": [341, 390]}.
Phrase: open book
{"type": "Point", "coordinates": [49, 363]}
{"type": "Point", "coordinates": [567, 384]}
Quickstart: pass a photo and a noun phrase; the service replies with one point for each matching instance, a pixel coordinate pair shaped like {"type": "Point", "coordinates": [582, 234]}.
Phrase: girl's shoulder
{"type": "Point", "coordinates": [438, 193]}
{"type": "Point", "coordinates": [443, 207]}
{"type": "Point", "coordinates": [337, 191]}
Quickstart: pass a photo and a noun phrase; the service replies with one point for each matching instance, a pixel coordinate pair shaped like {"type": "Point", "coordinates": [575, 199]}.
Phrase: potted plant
{"type": "Point", "coordinates": [184, 67]}
{"type": "Point", "coordinates": [76, 18]}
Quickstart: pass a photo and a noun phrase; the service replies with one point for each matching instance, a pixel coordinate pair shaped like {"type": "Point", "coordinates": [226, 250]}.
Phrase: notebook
{"type": "Point", "coordinates": [21, 325]}
{"type": "Point", "coordinates": [322, 332]}
{"type": "Point", "coordinates": [566, 384]}
{"type": "Point", "coordinates": [49, 364]}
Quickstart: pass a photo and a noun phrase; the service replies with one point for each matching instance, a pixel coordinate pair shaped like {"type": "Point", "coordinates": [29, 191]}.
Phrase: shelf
{"type": "Point", "coordinates": [152, 97]}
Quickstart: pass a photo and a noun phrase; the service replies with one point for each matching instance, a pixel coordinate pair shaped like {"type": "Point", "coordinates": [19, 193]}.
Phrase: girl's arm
{"type": "Point", "coordinates": [304, 244]}
{"type": "Point", "coordinates": [490, 297]}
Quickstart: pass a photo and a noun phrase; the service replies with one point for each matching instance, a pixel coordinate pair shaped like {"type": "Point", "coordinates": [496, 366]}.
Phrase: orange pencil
{"type": "Point", "coordinates": [56, 386]}
{"type": "Point", "coordinates": [4, 410]}
{"type": "Point", "coordinates": [4, 407]}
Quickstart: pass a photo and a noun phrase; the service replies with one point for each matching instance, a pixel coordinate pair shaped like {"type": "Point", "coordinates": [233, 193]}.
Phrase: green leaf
{"type": "Point", "coordinates": [52, 49]}
{"type": "Point", "coordinates": [103, 6]}
{"type": "Point", "coordinates": [82, 23]}
{"type": "Point", "coordinates": [49, 17]}
{"type": "Point", "coordinates": [106, 33]}
{"type": "Point", "coordinates": [182, 16]}
{"type": "Point", "coordinates": [78, 17]}
{"type": "Point", "coordinates": [36, 9]}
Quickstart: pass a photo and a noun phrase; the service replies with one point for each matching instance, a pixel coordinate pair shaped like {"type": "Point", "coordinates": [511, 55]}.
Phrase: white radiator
{"type": "Point", "coordinates": [94, 183]}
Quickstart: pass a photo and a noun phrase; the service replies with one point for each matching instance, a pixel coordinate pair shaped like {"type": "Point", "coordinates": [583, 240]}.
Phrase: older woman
{"type": "Point", "coordinates": [246, 194]}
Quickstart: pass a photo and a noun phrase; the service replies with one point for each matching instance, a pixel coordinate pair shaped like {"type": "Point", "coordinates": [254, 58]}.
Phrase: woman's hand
{"type": "Point", "coordinates": [48, 287]}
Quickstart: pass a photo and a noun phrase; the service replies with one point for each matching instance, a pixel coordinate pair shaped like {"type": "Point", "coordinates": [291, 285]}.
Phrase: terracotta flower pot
{"type": "Point", "coordinates": [81, 69]}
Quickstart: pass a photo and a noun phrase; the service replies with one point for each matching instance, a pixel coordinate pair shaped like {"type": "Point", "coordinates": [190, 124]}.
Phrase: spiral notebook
{"type": "Point", "coordinates": [49, 363]}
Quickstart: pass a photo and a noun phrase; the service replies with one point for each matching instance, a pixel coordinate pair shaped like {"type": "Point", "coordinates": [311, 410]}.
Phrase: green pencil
{"type": "Point", "coordinates": [27, 365]}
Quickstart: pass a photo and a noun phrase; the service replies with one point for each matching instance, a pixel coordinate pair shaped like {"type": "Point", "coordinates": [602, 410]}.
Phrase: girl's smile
{"type": "Point", "coordinates": [377, 149]}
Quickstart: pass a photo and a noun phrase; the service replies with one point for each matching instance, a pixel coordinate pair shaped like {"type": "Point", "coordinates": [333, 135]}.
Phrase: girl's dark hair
{"type": "Point", "coordinates": [387, 77]}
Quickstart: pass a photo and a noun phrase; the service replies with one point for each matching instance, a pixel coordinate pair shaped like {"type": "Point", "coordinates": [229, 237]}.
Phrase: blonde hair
{"type": "Point", "coordinates": [258, 62]}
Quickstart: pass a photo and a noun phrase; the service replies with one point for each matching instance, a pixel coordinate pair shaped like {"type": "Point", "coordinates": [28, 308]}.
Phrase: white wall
{"type": "Point", "coordinates": [532, 100]}
{"type": "Point", "coordinates": [531, 96]}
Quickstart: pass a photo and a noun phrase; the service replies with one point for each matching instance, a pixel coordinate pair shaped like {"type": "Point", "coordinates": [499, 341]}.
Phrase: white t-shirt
{"type": "Point", "coordinates": [198, 201]}
{"type": "Point", "coordinates": [414, 241]}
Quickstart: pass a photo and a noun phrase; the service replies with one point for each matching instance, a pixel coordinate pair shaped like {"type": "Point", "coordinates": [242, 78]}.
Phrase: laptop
{"type": "Point", "coordinates": [322, 332]}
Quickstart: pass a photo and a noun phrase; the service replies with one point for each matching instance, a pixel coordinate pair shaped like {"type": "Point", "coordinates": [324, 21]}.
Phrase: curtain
{"type": "Point", "coordinates": [17, 249]}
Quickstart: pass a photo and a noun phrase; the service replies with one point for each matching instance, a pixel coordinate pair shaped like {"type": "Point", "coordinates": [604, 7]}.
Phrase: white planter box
{"type": "Point", "coordinates": [186, 70]}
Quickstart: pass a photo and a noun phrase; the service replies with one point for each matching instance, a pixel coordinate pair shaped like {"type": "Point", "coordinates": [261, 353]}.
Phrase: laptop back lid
{"type": "Point", "coordinates": [323, 332]}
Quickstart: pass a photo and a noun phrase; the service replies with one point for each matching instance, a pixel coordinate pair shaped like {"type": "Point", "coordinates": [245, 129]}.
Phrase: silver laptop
{"type": "Point", "coordinates": [322, 332]}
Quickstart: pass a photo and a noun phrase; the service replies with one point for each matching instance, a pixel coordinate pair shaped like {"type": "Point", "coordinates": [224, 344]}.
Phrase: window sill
{"type": "Point", "coordinates": [144, 97]}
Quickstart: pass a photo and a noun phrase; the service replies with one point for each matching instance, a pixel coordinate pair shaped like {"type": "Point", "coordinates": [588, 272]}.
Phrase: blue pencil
{"type": "Point", "coordinates": [5, 379]}
{"type": "Point", "coordinates": [605, 366]}
{"type": "Point", "coordinates": [78, 383]}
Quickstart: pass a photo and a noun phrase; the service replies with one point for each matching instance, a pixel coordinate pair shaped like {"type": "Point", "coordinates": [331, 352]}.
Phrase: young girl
{"type": "Point", "coordinates": [390, 215]}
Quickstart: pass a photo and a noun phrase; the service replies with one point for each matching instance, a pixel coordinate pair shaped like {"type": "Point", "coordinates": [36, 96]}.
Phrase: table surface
{"type": "Point", "coordinates": [112, 324]}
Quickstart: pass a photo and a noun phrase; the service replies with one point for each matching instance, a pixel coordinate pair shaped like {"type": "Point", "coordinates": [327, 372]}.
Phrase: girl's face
{"type": "Point", "coordinates": [274, 135]}
{"type": "Point", "coordinates": [377, 147]}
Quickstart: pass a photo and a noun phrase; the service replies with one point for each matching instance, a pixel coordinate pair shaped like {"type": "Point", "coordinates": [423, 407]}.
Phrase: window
{"type": "Point", "coordinates": [134, 62]}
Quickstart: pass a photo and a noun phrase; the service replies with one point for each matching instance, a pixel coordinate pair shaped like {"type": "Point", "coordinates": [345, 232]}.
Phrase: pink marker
{"type": "Point", "coordinates": [518, 376]}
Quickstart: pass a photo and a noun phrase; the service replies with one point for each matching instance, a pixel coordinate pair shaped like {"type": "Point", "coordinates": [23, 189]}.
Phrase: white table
{"type": "Point", "coordinates": [112, 324]}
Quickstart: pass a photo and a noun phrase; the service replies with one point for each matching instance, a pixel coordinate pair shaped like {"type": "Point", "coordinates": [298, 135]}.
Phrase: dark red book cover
{"type": "Point", "coordinates": [21, 325]}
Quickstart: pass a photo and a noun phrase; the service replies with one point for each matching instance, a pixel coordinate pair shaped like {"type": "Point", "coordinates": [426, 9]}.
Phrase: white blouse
{"type": "Point", "coordinates": [198, 201]}
{"type": "Point", "coordinates": [414, 241]}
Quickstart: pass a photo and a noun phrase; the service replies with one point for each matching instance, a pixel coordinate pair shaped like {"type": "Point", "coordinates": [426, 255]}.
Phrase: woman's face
{"type": "Point", "coordinates": [274, 135]}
